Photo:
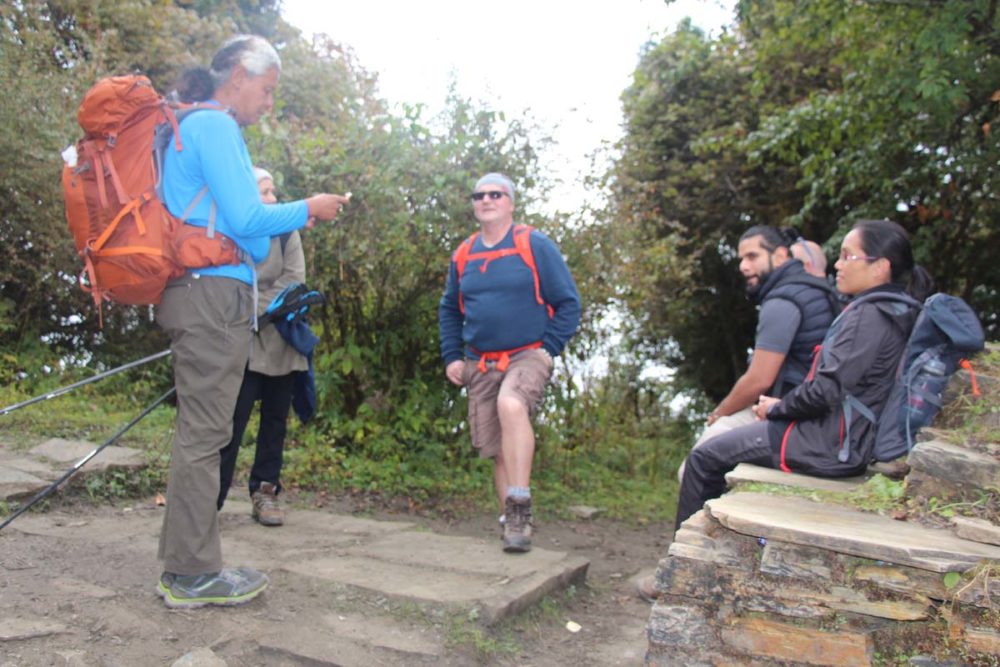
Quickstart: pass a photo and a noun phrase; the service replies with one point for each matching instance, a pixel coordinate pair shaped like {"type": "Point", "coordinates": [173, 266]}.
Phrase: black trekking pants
{"type": "Point", "coordinates": [707, 465]}
{"type": "Point", "coordinates": [275, 394]}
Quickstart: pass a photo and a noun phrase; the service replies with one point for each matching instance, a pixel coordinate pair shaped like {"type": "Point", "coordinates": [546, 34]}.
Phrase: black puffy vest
{"type": "Point", "coordinates": [817, 303]}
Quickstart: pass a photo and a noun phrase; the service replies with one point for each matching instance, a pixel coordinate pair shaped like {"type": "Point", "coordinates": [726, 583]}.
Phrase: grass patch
{"type": "Point", "coordinates": [625, 469]}
{"type": "Point", "coordinates": [501, 640]}
{"type": "Point", "coordinates": [464, 632]}
{"type": "Point", "coordinates": [878, 494]}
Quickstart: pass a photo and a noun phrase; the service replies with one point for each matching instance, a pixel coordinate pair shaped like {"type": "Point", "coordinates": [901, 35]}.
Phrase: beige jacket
{"type": "Point", "coordinates": [270, 354]}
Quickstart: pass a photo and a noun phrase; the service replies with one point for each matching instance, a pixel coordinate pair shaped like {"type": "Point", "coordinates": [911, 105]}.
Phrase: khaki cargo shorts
{"type": "Point", "coordinates": [525, 378]}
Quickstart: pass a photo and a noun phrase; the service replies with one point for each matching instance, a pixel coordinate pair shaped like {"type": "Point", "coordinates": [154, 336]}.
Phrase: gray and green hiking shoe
{"type": "Point", "coordinates": [229, 587]}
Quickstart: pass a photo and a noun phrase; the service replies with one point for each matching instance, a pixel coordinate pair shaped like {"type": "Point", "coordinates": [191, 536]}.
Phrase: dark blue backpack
{"type": "Point", "coordinates": [946, 331]}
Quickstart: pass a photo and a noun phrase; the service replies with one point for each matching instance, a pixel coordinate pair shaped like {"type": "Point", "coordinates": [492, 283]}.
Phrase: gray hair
{"type": "Point", "coordinates": [261, 174]}
{"type": "Point", "coordinates": [495, 178]}
{"type": "Point", "coordinates": [255, 54]}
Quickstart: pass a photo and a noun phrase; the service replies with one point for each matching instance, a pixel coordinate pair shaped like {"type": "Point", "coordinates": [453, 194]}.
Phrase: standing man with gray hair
{"type": "Point", "coordinates": [509, 307]}
{"type": "Point", "coordinates": [208, 313]}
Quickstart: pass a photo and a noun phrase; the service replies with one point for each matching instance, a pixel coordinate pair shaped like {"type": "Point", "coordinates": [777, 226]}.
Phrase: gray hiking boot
{"type": "Point", "coordinates": [518, 526]}
{"type": "Point", "coordinates": [266, 508]}
{"type": "Point", "coordinates": [231, 586]}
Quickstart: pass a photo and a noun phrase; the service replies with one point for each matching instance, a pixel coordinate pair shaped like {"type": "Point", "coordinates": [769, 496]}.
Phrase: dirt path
{"type": "Point", "coordinates": [91, 602]}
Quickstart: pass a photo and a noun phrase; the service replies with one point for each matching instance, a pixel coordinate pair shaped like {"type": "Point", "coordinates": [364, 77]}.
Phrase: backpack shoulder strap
{"type": "Point", "coordinates": [522, 241]}
{"type": "Point", "coordinates": [461, 254]}
{"type": "Point", "coordinates": [461, 258]}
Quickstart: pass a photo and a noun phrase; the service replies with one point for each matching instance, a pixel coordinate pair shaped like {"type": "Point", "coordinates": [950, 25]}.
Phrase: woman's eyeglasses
{"type": "Point", "coordinates": [492, 194]}
{"type": "Point", "coordinates": [844, 257]}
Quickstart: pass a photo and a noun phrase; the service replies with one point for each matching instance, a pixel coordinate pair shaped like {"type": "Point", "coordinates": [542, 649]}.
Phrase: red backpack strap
{"type": "Point", "coordinates": [522, 241]}
{"type": "Point", "coordinates": [461, 258]}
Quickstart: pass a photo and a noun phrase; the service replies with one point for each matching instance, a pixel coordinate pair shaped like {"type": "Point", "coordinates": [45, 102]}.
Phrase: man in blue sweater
{"type": "Point", "coordinates": [509, 307]}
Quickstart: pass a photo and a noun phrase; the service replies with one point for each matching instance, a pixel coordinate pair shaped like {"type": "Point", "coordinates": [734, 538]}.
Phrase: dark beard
{"type": "Point", "coordinates": [753, 290]}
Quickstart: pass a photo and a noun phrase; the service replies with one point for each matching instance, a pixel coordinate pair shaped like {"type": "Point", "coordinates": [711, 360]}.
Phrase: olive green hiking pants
{"type": "Point", "coordinates": [208, 321]}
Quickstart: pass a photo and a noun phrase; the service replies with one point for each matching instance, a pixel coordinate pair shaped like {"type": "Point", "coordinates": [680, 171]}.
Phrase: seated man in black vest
{"type": "Point", "coordinates": [796, 309]}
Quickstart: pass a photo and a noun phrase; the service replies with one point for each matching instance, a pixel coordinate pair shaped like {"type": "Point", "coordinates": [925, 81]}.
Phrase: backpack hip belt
{"type": "Point", "coordinates": [502, 357]}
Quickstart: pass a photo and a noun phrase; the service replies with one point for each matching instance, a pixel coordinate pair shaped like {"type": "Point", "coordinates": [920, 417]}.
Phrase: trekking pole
{"type": "Point", "coordinates": [68, 388]}
{"type": "Point", "coordinates": [69, 473]}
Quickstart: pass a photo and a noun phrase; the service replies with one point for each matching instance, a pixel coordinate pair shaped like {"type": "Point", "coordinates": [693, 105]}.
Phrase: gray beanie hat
{"type": "Point", "coordinates": [260, 174]}
{"type": "Point", "coordinates": [497, 179]}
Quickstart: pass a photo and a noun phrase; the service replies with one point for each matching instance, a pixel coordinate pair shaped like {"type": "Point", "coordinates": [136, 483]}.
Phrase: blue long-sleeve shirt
{"type": "Point", "coordinates": [501, 312]}
{"type": "Point", "coordinates": [215, 154]}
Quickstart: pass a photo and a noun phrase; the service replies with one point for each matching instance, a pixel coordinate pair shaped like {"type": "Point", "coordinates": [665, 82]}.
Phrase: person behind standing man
{"type": "Point", "coordinates": [809, 430]}
{"type": "Point", "coordinates": [812, 257]}
{"type": "Point", "coordinates": [795, 311]}
{"type": "Point", "coordinates": [269, 376]}
{"type": "Point", "coordinates": [502, 321]}
{"type": "Point", "coordinates": [208, 313]}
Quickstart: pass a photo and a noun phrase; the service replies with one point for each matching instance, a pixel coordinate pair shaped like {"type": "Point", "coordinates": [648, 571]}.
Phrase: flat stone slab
{"type": "Point", "coordinates": [458, 572]}
{"type": "Point", "coordinates": [585, 511]}
{"type": "Point", "coordinates": [346, 644]}
{"type": "Point", "coordinates": [18, 629]}
{"type": "Point", "coordinates": [977, 530]}
{"type": "Point", "coordinates": [746, 473]}
{"type": "Point", "coordinates": [848, 531]}
{"type": "Point", "coordinates": [355, 640]}
{"type": "Point", "coordinates": [955, 464]}
{"type": "Point", "coordinates": [25, 473]}
{"type": "Point", "coordinates": [70, 451]}
{"type": "Point", "coordinates": [16, 484]}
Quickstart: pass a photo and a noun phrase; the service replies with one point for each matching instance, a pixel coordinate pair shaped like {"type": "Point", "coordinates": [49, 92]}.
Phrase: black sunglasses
{"type": "Point", "coordinates": [492, 194]}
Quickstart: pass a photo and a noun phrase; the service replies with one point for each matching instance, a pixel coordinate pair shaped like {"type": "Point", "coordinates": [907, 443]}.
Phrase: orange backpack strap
{"type": "Point", "coordinates": [522, 241]}
{"type": "Point", "coordinates": [461, 258]}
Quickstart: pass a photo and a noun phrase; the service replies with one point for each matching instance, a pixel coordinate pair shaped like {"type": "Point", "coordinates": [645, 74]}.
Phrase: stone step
{"type": "Point", "coordinates": [25, 473]}
{"type": "Point", "coordinates": [384, 559]}
{"type": "Point", "coordinates": [849, 531]}
{"type": "Point", "coordinates": [393, 590]}
{"type": "Point", "coordinates": [747, 473]}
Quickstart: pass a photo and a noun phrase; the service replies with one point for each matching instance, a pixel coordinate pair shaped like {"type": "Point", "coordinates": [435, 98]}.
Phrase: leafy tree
{"type": "Point", "coordinates": [898, 127]}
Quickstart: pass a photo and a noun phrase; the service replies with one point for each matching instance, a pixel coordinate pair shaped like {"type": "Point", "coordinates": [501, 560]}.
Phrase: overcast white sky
{"type": "Point", "coordinates": [566, 62]}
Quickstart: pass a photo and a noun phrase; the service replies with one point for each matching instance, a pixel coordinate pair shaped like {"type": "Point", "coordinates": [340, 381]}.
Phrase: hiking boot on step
{"type": "Point", "coordinates": [518, 526]}
{"type": "Point", "coordinates": [231, 586]}
{"type": "Point", "coordinates": [266, 508]}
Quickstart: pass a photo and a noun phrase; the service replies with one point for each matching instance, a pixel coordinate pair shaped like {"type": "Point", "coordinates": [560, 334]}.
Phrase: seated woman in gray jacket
{"type": "Point", "coordinates": [805, 431]}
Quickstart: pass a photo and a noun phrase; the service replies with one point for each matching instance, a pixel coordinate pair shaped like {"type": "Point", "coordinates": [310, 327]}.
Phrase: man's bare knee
{"type": "Point", "coordinates": [510, 406]}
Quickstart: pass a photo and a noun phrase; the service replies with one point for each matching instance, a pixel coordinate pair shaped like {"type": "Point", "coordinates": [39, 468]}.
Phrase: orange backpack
{"type": "Point", "coordinates": [130, 244]}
